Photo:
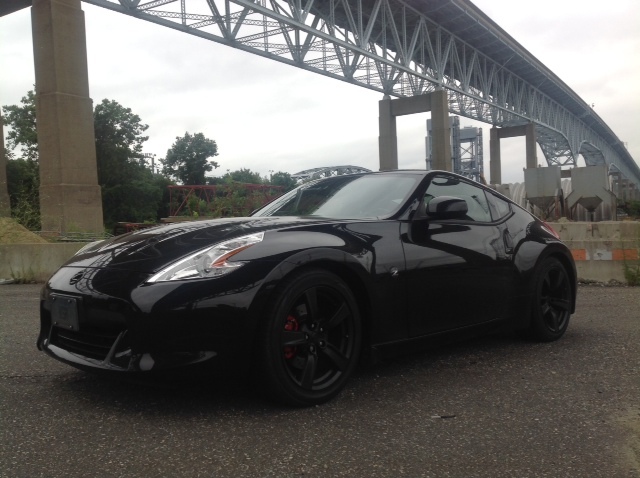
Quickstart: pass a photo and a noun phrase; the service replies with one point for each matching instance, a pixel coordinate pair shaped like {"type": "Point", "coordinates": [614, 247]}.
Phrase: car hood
{"type": "Point", "coordinates": [150, 249]}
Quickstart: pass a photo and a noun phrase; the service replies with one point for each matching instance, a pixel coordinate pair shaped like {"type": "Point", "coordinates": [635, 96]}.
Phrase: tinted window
{"type": "Point", "coordinates": [345, 197]}
{"type": "Point", "coordinates": [474, 196]}
{"type": "Point", "coordinates": [499, 207]}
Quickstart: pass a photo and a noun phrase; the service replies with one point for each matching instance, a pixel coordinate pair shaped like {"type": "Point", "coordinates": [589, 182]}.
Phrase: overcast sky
{"type": "Point", "coordinates": [265, 115]}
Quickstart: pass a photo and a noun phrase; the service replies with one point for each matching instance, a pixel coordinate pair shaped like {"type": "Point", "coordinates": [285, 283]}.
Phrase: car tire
{"type": "Point", "coordinates": [551, 302]}
{"type": "Point", "coordinates": [311, 339]}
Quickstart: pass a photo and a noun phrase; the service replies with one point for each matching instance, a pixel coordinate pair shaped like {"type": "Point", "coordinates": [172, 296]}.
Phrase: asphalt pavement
{"type": "Point", "coordinates": [492, 407]}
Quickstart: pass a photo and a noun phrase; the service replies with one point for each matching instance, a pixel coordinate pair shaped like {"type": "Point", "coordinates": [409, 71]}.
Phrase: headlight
{"type": "Point", "coordinates": [209, 262]}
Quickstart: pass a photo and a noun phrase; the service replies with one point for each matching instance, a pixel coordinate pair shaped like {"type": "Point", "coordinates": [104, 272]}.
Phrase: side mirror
{"type": "Point", "coordinates": [447, 207]}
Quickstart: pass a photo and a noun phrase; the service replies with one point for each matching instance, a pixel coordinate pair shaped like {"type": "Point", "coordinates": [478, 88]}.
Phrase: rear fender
{"type": "Point", "coordinates": [527, 261]}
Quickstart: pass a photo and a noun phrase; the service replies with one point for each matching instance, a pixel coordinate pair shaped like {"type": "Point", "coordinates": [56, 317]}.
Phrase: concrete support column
{"type": "Point", "coordinates": [436, 102]}
{"type": "Point", "coordinates": [70, 197]}
{"type": "Point", "coordinates": [5, 205]}
{"type": "Point", "coordinates": [530, 135]}
{"type": "Point", "coordinates": [528, 130]}
{"type": "Point", "coordinates": [387, 139]}
{"type": "Point", "coordinates": [495, 165]}
{"type": "Point", "coordinates": [441, 132]}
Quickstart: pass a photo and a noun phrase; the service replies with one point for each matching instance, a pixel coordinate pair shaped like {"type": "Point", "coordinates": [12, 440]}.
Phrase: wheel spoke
{"type": "Point", "coordinates": [544, 306]}
{"type": "Point", "coordinates": [557, 281]}
{"type": "Point", "coordinates": [309, 372]}
{"type": "Point", "coordinates": [546, 283]}
{"type": "Point", "coordinates": [552, 301]}
{"type": "Point", "coordinates": [311, 297]}
{"type": "Point", "coordinates": [562, 304]}
{"type": "Point", "coordinates": [553, 322]}
{"type": "Point", "coordinates": [337, 318]}
{"type": "Point", "coordinates": [338, 358]}
{"type": "Point", "coordinates": [292, 338]}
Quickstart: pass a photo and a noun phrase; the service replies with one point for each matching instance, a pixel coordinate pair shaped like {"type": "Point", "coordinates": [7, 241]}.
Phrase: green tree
{"type": "Point", "coordinates": [119, 140]}
{"type": "Point", "coordinates": [130, 192]}
{"type": "Point", "coordinates": [23, 180]}
{"type": "Point", "coordinates": [188, 158]}
{"type": "Point", "coordinates": [243, 175]}
{"type": "Point", "coordinates": [138, 200]}
{"type": "Point", "coordinates": [283, 179]}
{"type": "Point", "coordinates": [22, 121]}
{"type": "Point", "coordinates": [162, 183]}
{"type": "Point", "coordinates": [23, 183]}
{"type": "Point", "coordinates": [634, 209]}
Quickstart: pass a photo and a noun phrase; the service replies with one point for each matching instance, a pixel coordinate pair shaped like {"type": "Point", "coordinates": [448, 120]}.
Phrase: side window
{"type": "Point", "coordinates": [499, 207]}
{"type": "Point", "coordinates": [474, 196]}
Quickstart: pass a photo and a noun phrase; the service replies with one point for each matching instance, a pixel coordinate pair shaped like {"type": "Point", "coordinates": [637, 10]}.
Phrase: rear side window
{"type": "Point", "coordinates": [474, 196]}
{"type": "Point", "coordinates": [499, 207]}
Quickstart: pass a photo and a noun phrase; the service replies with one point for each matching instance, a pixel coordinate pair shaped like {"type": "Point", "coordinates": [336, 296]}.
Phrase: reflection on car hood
{"type": "Point", "coordinates": [149, 249]}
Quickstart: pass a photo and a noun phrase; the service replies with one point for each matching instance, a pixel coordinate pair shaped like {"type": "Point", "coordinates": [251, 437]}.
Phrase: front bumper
{"type": "Point", "coordinates": [109, 353]}
{"type": "Point", "coordinates": [118, 323]}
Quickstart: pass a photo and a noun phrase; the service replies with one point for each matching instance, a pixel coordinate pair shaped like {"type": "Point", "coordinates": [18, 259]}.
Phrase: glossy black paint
{"type": "Point", "coordinates": [417, 274]}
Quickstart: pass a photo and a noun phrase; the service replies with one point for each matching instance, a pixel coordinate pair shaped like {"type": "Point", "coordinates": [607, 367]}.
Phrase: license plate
{"type": "Point", "coordinates": [64, 312]}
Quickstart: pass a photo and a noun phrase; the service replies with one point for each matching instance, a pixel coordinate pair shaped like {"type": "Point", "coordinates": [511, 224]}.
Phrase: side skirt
{"type": "Point", "coordinates": [402, 347]}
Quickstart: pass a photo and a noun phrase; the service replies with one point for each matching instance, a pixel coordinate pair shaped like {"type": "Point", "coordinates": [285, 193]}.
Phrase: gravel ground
{"type": "Point", "coordinates": [491, 407]}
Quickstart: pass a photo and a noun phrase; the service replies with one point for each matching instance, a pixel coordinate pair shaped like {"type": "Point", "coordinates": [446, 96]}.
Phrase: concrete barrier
{"type": "Point", "coordinates": [34, 262]}
{"type": "Point", "coordinates": [600, 250]}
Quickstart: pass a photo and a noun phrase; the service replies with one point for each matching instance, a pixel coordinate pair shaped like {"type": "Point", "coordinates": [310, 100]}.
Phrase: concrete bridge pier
{"type": "Point", "coordinates": [70, 199]}
{"type": "Point", "coordinates": [496, 134]}
{"type": "Point", "coordinates": [437, 103]}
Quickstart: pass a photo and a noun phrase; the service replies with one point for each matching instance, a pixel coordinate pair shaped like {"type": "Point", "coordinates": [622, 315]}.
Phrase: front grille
{"type": "Point", "coordinates": [93, 344]}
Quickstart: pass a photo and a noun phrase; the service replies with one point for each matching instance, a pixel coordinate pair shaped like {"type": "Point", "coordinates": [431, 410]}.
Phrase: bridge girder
{"type": "Point", "coordinates": [325, 172]}
{"type": "Point", "coordinates": [396, 48]}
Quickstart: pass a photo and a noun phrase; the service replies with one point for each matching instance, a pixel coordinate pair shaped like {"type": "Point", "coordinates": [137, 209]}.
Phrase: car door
{"type": "Point", "coordinates": [458, 269]}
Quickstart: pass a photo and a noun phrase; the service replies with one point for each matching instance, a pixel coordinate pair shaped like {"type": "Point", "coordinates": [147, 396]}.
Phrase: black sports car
{"type": "Point", "coordinates": [343, 268]}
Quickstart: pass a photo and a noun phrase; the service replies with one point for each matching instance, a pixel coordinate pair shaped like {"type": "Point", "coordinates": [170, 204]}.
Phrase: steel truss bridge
{"type": "Point", "coordinates": [325, 172]}
{"type": "Point", "coordinates": [406, 48]}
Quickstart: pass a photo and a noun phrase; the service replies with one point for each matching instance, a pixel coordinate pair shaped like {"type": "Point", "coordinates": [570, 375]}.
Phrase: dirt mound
{"type": "Point", "coordinates": [13, 233]}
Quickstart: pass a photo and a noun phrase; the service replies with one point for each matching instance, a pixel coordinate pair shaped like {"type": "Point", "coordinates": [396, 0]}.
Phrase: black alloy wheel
{"type": "Point", "coordinates": [552, 301]}
{"type": "Point", "coordinates": [311, 340]}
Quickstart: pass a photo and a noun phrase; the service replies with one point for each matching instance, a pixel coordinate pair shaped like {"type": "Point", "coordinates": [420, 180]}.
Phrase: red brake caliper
{"type": "Point", "coordinates": [291, 325]}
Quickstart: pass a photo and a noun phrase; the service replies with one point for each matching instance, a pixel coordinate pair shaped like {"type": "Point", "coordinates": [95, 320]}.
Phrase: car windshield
{"type": "Point", "coordinates": [345, 197]}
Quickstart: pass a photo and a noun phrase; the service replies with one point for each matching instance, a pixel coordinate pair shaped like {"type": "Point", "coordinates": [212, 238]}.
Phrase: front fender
{"type": "Point", "coordinates": [335, 260]}
{"type": "Point", "coordinates": [367, 256]}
